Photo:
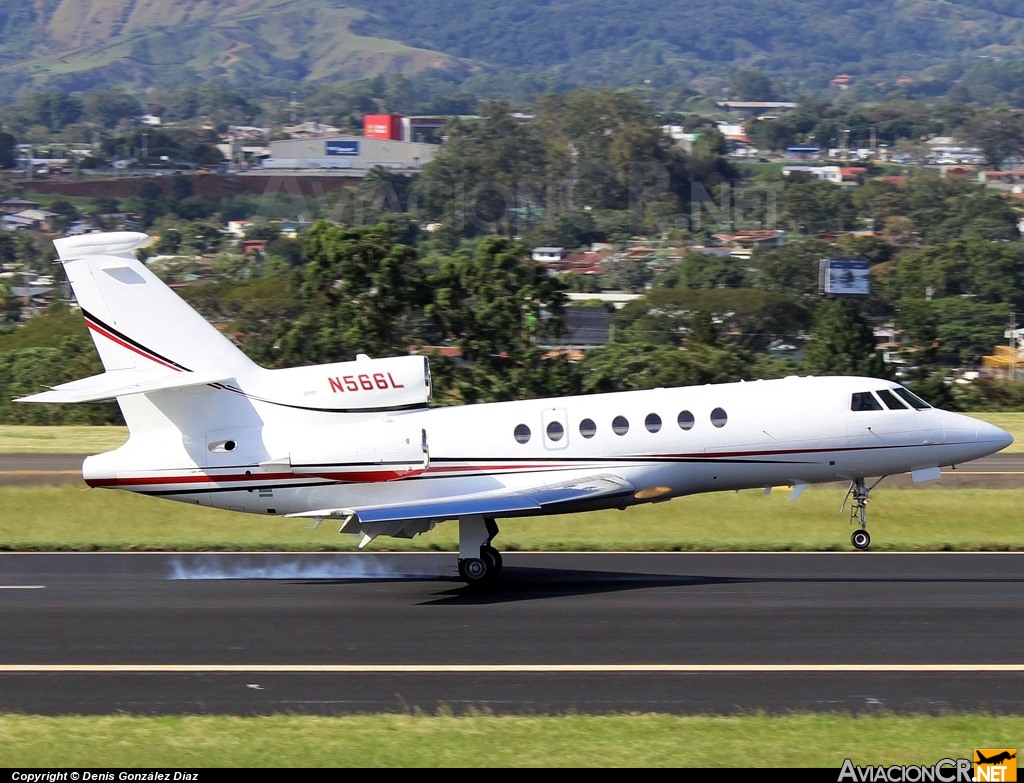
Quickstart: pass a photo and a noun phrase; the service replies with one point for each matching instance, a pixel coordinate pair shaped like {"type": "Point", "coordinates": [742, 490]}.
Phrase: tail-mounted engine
{"type": "Point", "coordinates": [395, 383]}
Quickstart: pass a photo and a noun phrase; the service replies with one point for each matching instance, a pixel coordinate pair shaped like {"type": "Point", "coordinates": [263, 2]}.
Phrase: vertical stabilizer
{"type": "Point", "coordinates": [135, 320]}
{"type": "Point", "coordinates": [172, 373]}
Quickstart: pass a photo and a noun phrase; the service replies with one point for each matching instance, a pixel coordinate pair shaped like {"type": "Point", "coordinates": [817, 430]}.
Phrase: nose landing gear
{"type": "Point", "coordinates": [860, 493]}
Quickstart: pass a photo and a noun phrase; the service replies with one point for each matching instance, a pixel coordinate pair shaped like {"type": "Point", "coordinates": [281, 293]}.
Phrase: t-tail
{"type": "Point", "coordinates": [188, 394]}
{"type": "Point", "coordinates": [152, 345]}
{"type": "Point", "coordinates": [147, 337]}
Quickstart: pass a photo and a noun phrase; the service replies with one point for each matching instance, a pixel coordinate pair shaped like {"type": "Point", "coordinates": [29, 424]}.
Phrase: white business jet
{"type": "Point", "coordinates": [358, 441]}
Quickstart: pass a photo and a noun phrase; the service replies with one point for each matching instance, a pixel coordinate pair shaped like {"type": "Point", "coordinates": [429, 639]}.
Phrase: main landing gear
{"type": "Point", "coordinates": [860, 493]}
{"type": "Point", "coordinates": [479, 562]}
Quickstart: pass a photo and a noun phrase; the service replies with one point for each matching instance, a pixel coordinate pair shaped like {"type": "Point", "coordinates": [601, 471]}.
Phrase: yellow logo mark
{"type": "Point", "coordinates": [995, 765]}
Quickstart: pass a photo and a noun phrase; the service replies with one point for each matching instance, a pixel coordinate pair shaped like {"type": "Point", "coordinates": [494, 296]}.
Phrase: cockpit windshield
{"type": "Point", "coordinates": [895, 398]}
{"type": "Point", "coordinates": [912, 399]}
{"type": "Point", "coordinates": [864, 401]}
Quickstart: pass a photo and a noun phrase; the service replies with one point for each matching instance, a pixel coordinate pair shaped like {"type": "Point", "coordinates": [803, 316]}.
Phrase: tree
{"type": "Point", "coordinates": [873, 248]}
{"type": "Point", "coordinates": [626, 274]}
{"type": "Point", "coordinates": [66, 212]}
{"type": "Point", "coordinates": [104, 205]}
{"type": "Point", "coordinates": [792, 268]}
{"type": "Point", "coordinates": [710, 270]}
{"type": "Point", "coordinates": [703, 329]}
{"type": "Point", "coordinates": [611, 148]}
{"type": "Point", "coordinates": [107, 108]}
{"type": "Point", "coordinates": [900, 231]}
{"type": "Point", "coordinates": [815, 206]}
{"type": "Point", "coordinates": [968, 329]}
{"type": "Point", "coordinates": [32, 369]}
{"type": "Point", "coordinates": [630, 366]}
{"type": "Point", "coordinates": [8, 151]}
{"type": "Point", "coordinates": [998, 133]}
{"type": "Point", "coordinates": [54, 110]}
{"type": "Point", "coordinates": [500, 308]}
{"type": "Point", "coordinates": [750, 85]}
{"type": "Point", "coordinates": [8, 247]}
{"type": "Point", "coordinates": [776, 134]}
{"type": "Point", "coordinates": [359, 291]}
{"type": "Point", "coordinates": [205, 154]}
{"type": "Point", "coordinates": [151, 201]}
{"type": "Point", "coordinates": [842, 343]}
{"type": "Point", "coordinates": [10, 307]}
{"type": "Point", "coordinates": [488, 169]}
{"type": "Point", "coordinates": [971, 268]}
{"type": "Point", "coordinates": [881, 200]}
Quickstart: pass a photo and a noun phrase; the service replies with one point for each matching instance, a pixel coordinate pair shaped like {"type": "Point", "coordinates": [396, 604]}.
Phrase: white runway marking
{"type": "Point", "coordinates": [22, 587]}
{"type": "Point", "coordinates": [697, 668]}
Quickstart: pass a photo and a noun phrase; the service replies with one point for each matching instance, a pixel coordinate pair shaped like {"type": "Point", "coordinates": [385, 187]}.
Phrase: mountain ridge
{"type": "Point", "coordinates": [800, 44]}
{"type": "Point", "coordinates": [81, 44]}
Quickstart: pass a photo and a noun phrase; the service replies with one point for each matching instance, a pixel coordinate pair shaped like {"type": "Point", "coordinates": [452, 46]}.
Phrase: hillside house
{"type": "Point", "coordinates": [12, 206]}
{"type": "Point", "coordinates": [549, 256]}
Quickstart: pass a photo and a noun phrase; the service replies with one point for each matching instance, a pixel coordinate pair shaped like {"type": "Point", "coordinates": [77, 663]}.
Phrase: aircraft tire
{"type": "Point", "coordinates": [492, 557]}
{"type": "Point", "coordinates": [860, 539]}
{"type": "Point", "coordinates": [474, 570]}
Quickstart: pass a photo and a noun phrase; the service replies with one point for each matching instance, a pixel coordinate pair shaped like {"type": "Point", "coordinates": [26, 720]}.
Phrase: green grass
{"type": "Point", "coordinates": [72, 517]}
{"type": "Point", "coordinates": [26, 439]}
{"type": "Point", "coordinates": [448, 741]}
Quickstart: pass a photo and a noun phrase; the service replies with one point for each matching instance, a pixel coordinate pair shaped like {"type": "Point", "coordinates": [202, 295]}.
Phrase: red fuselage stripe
{"type": "Point", "coordinates": [300, 476]}
{"type": "Point", "coordinates": [134, 349]}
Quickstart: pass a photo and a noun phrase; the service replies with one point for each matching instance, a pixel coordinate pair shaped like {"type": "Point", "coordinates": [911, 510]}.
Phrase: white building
{"type": "Point", "coordinates": [352, 154]}
{"type": "Point", "coordinates": [827, 173]}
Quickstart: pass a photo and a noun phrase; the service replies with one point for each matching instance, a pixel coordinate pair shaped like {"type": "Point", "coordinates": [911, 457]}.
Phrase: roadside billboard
{"type": "Point", "coordinates": [844, 276]}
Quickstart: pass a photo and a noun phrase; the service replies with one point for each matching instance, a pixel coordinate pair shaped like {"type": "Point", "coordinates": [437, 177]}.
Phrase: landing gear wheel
{"type": "Point", "coordinates": [474, 570]}
{"type": "Point", "coordinates": [860, 493]}
{"type": "Point", "coordinates": [479, 562]}
{"type": "Point", "coordinates": [492, 557]}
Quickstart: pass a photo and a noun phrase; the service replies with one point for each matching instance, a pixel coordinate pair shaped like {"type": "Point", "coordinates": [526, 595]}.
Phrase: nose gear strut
{"type": "Point", "coordinates": [860, 493]}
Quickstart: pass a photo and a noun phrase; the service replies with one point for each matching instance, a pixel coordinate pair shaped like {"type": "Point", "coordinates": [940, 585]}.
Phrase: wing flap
{"type": "Point", "coordinates": [118, 383]}
{"type": "Point", "coordinates": [495, 503]}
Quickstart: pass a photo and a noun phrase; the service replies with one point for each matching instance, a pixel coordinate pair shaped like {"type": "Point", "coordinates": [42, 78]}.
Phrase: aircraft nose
{"type": "Point", "coordinates": [997, 437]}
{"type": "Point", "coordinates": [972, 437]}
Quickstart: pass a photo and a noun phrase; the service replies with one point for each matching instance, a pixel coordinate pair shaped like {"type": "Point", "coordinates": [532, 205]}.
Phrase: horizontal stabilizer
{"type": "Point", "coordinates": [502, 502]}
{"type": "Point", "coordinates": [118, 383]}
{"type": "Point", "coordinates": [112, 243]}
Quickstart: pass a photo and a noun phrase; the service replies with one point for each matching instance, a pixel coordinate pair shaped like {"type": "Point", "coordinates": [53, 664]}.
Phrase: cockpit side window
{"type": "Point", "coordinates": [864, 401]}
{"type": "Point", "coordinates": [910, 397]}
{"type": "Point", "coordinates": [891, 400]}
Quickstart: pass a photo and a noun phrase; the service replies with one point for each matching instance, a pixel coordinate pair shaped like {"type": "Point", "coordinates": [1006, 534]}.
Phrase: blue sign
{"type": "Point", "coordinates": [845, 276]}
{"type": "Point", "coordinates": [346, 148]}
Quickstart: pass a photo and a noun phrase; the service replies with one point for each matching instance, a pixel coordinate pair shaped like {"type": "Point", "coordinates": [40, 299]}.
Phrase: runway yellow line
{"type": "Point", "coordinates": [697, 668]}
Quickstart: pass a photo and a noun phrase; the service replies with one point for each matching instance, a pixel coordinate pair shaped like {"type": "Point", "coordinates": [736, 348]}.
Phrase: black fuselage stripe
{"type": "Point", "coordinates": [135, 343]}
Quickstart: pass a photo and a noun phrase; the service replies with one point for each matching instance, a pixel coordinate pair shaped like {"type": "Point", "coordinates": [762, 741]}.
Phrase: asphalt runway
{"type": "Point", "coordinates": [680, 633]}
{"type": "Point", "coordinates": [250, 634]}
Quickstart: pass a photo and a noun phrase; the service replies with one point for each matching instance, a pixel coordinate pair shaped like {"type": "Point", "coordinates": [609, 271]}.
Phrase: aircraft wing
{"type": "Point", "coordinates": [117, 383]}
{"type": "Point", "coordinates": [406, 519]}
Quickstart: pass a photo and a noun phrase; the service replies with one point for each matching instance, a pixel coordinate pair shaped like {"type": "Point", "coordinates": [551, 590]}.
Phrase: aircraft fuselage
{"type": "Point", "coordinates": [665, 442]}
